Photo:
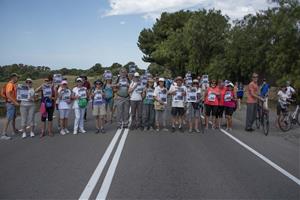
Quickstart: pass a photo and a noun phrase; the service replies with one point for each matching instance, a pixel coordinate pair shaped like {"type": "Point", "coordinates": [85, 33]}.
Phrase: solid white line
{"type": "Point", "coordinates": [268, 161]}
{"type": "Point", "coordinates": [112, 168]}
{"type": "Point", "coordinates": [97, 173]}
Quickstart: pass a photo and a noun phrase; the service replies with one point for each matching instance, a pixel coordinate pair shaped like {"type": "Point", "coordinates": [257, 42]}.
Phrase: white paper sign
{"type": "Point", "coordinates": [57, 78]}
{"type": "Point", "coordinates": [179, 94]}
{"type": "Point", "coordinates": [150, 94]}
{"type": "Point", "coordinates": [66, 95]}
{"type": "Point", "coordinates": [22, 92]}
{"type": "Point", "coordinates": [227, 96]}
{"type": "Point", "coordinates": [82, 93]}
{"type": "Point", "coordinates": [163, 96]}
{"type": "Point", "coordinates": [192, 95]}
{"type": "Point", "coordinates": [98, 99]}
{"type": "Point", "coordinates": [47, 90]}
{"type": "Point", "coordinates": [123, 82]}
{"type": "Point", "coordinates": [211, 96]}
{"type": "Point", "coordinates": [108, 75]}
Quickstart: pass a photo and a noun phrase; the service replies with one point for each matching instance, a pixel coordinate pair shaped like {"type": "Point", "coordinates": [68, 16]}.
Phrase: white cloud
{"type": "Point", "coordinates": [151, 9]}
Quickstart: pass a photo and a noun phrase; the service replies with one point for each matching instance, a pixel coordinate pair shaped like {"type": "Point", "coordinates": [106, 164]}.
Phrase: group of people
{"type": "Point", "coordinates": [143, 98]}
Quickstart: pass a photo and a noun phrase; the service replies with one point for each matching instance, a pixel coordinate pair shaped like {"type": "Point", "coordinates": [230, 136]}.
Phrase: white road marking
{"type": "Point", "coordinates": [97, 173]}
{"type": "Point", "coordinates": [268, 161]}
{"type": "Point", "coordinates": [112, 168]}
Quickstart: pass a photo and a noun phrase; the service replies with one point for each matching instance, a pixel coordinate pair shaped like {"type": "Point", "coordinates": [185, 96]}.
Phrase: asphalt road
{"type": "Point", "coordinates": [152, 165]}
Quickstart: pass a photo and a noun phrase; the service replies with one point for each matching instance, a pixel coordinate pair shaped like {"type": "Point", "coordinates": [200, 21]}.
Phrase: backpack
{"type": "Point", "coordinates": [48, 102]}
{"type": "Point", "coordinates": [82, 103]}
{"type": "Point", "coordinates": [3, 91]}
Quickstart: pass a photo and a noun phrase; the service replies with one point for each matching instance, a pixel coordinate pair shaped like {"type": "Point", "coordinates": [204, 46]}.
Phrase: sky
{"type": "Point", "coordinates": [80, 33]}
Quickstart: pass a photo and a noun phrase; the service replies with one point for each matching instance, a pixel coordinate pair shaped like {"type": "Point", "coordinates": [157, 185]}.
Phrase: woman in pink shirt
{"type": "Point", "coordinates": [229, 104]}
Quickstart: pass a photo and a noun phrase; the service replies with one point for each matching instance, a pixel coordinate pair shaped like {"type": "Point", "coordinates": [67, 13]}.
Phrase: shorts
{"type": "Point", "coordinates": [229, 111]}
{"type": "Point", "coordinates": [240, 95]}
{"type": "Point", "coordinates": [211, 110]}
{"type": "Point", "coordinates": [192, 112]}
{"type": "Point", "coordinates": [99, 110]}
{"type": "Point", "coordinates": [64, 113]}
{"type": "Point", "coordinates": [177, 111]}
{"type": "Point", "coordinates": [49, 114]}
{"type": "Point", "coordinates": [220, 111]}
{"type": "Point", "coordinates": [10, 111]}
{"type": "Point", "coordinates": [280, 109]}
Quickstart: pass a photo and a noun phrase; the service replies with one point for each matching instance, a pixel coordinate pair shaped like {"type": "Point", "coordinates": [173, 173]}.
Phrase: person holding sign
{"type": "Point", "coordinates": [109, 98]}
{"type": "Point", "coordinates": [160, 104]}
{"type": "Point", "coordinates": [135, 91]}
{"type": "Point", "coordinates": [211, 101]}
{"type": "Point", "coordinates": [178, 93]}
{"type": "Point", "coordinates": [47, 105]}
{"type": "Point", "coordinates": [79, 96]}
{"type": "Point", "coordinates": [64, 105]}
{"type": "Point", "coordinates": [27, 108]}
{"type": "Point", "coordinates": [99, 111]}
{"type": "Point", "coordinates": [148, 106]}
{"type": "Point", "coordinates": [194, 99]}
{"type": "Point", "coordinates": [122, 99]}
{"type": "Point", "coordinates": [230, 101]}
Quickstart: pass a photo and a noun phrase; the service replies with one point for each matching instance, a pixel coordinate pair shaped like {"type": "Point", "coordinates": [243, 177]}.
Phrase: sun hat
{"type": "Point", "coordinates": [161, 80]}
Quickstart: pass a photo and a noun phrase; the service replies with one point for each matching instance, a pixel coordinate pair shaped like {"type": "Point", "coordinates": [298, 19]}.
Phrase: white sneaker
{"type": "Point", "coordinates": [82, 131]}
{"type": "Point", "coordinates": [5, 137]}
{"type": "Point", "coordinates": [75, 132]}
{"type": "Point", "coordinates": [66, 130]}
{"type": "Point", "coordinates": [62, 132]}
{"type": "Point", "coordinates": [24, 135]}
{"type": "Point", "coordinates": [32, 134]}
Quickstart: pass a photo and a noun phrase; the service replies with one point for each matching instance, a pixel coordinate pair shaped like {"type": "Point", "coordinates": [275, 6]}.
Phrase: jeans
{"type": "Point", "coordinates": [148, 115]}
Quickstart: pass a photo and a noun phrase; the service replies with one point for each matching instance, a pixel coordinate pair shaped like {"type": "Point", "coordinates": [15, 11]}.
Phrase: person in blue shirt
{"type": "Point", "coordinates": [264, 90]}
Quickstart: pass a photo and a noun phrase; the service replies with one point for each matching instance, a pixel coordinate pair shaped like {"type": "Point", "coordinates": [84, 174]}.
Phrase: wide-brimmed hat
{"type": "Point", "coordinates": [179, 78]}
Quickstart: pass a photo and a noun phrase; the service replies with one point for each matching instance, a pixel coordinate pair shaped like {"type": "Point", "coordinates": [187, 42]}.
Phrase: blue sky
{"type": "Point", "coordinates": [80, 33]}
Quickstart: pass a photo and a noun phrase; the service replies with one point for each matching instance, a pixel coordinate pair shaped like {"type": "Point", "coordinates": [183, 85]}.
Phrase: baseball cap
{"type": "Point", "coordinates": [28, 79]}
{"type": "Point", "coordinates": [79, 79]}
{"type": "Point", "coordinates": [161, 80]}
{"type": "Point", "coordinates": [64, 82]}
{"type": "Point", "coordinates": [136, 74]}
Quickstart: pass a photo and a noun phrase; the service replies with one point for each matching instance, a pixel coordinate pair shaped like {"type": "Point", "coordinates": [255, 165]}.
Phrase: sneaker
{"type": "Point", "coordinates": [165, 129]}
{"type": "Point", "coordinates": [66, 130]}
{"type": "Point", "coordinates": [82, 131]}
{"type": "Point", "coordinates": [173, 129]}
{"type": "Point", "coordinates": [197, 130]}
{"type": "Point", "coordinates": [151, 129]}
{"type": "Point", "coordinates": [97, 131]}
{"type": "Point", "coordinates": [62, 132]}
{"type": "Point", "coordinates": [75, 132]}
{"type": "Point", "coordinates": [24, 135]}
{"type": "Point", "coordinates": [145, 129]}
{"type": "Point", "coordinates": [190, 130]}
{"type": "Point", "coordinates": [157, 129]}
{"type": "Point", "coordinates": [5, 137]}
{"type": "Point", "coordinates": [125, 126]}
{"type": "Point", "coordinates": [32, 134]}
{"type": "Point", "coordinates": [119, 127]}
{"type": "Point", "coordinates": [102, 130]}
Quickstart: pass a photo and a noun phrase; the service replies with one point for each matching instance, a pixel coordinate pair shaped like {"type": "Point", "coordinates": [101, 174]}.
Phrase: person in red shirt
{"type": "Point", "coordinates": [222, 90]}
{"type": "Point", "coordinates": [11, 104]}
{"type": "Point", "coordinates": [211, 102]}
{"type": "Point", "coordinates": [252, 97]}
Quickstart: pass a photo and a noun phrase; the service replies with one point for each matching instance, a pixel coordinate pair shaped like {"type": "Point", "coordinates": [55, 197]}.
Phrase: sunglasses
{"type": "Point", "coordinates": [29, 82]}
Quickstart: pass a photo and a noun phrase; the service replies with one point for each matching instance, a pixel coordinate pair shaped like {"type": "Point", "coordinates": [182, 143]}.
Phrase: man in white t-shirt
{"type": "Point", "coordinates": [178, 92]}
{"type": "Point", "coordinates": [289, 90]}
{"type": "Point", "coordinates": [135, 90]}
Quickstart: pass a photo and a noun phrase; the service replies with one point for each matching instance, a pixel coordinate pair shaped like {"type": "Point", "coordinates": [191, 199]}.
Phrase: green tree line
{"type": "Point", "coordinates": [37, 72]}
{"type": "Point", "coordinates": [207, 42]}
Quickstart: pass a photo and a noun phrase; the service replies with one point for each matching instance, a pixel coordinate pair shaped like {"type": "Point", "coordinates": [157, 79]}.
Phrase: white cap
{"type": "Point", "coordinates": [29, 79]}
{"type": "Point", "coordinates": [79, 79]}
{"type": "Point", "coordinates": [229, 84]}
{"type": "Point", "coordinates": [136, 74]}
{"type": "Point", "coordinates": [161, 79]}
{"type": "Point", "coordinates": [64, 82]}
